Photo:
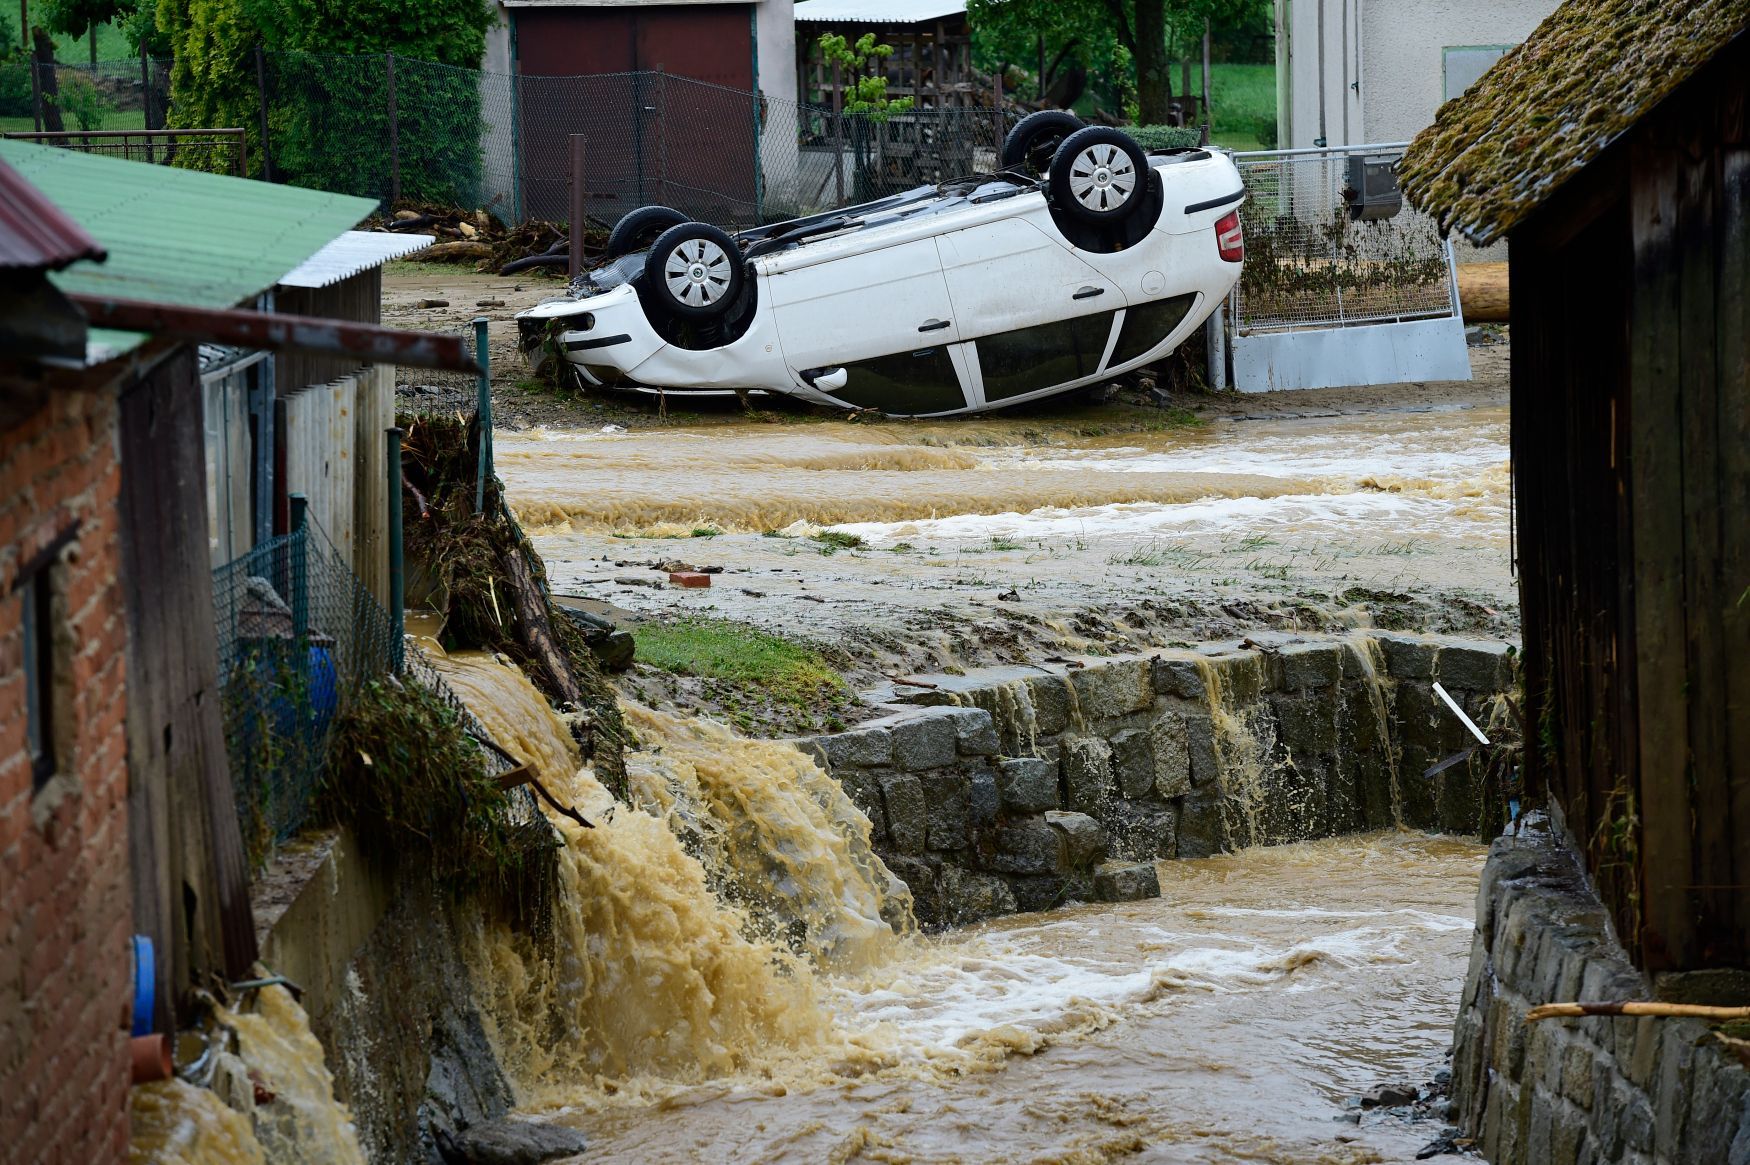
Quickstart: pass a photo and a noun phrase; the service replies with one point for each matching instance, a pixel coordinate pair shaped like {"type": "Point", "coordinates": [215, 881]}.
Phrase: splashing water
{"type": "Point", "coordinates": [295, 1119]}
{"type": "Point", "coordinates": [654, 974]}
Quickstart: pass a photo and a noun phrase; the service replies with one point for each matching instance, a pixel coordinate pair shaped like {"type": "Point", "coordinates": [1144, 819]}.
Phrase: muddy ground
{"type": "Point", "coordinates": [1073, 528]}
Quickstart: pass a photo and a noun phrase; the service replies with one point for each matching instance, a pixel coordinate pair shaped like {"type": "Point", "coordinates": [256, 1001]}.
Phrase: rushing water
{"type": "Point", "coordinates": [727, 983]}
{"type": "Point", "coordinates": [285, 1113]}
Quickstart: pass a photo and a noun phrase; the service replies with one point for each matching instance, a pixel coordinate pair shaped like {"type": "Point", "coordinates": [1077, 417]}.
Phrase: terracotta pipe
{"type": "Point", "coordinates": [151, 1057]}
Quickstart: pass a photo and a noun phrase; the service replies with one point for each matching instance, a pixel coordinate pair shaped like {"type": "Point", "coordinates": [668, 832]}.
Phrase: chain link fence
{"type": "Point", "coordinates": [298, 632]}
{"type": "Point", "coordinates": [1310, 264]}
{"type": "Point", "coordinates": [397, 129]}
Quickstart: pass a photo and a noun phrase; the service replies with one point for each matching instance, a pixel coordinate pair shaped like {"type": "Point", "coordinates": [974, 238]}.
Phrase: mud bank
{"type": "Point", "coordinates": [1023, 788]}
{"type": "Point", "coordinates": [1627, 1089]}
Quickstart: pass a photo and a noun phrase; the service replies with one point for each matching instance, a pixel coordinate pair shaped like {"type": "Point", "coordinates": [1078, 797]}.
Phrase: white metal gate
{"type": "Point", "coordinates": [1329, 299]}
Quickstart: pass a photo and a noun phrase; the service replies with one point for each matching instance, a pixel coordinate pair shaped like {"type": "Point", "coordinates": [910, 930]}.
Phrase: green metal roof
{"type": "Point", "coordinates": [180, 236]}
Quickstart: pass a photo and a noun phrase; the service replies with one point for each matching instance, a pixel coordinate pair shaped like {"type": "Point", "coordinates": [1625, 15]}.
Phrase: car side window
{"type": "Point", "coordinates": [1028, 359]}
{"type": "Point", "coordinates": [919, 381]}
{"type": "Point", "coordinates": [1146, 325]}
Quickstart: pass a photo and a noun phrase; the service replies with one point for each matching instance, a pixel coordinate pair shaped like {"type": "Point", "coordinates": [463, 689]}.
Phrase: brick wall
{"type": "Point", "coordinates": [65, 908]}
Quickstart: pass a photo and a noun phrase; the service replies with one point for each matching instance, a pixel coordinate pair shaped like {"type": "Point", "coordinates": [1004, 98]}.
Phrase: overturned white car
{"type": "Point", "coordinates": [976, 294]}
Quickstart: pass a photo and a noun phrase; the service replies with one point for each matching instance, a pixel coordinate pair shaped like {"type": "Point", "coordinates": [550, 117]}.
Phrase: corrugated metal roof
{"type": "Point", "coordinates": [35, 234]}
{"type": "Point", "coordinates": [179, 236]}
{"type": "Point", "coordinates": [877, 11]}
{"type": "Point", "coordinates": [351, 253]}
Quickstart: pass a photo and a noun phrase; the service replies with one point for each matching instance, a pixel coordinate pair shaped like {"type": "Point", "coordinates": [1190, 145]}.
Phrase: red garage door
{"type": "Point", "coordinates": [664, 95]}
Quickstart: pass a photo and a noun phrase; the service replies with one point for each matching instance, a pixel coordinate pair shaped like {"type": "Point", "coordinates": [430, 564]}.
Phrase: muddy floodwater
{"type": "Point", "coordinates": [1235, 1018]}
{"type": "Point", "coordinates": [1022, 524]}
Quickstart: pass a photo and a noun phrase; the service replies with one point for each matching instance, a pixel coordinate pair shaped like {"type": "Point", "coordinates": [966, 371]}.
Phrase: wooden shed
{"type": "Point", "coordinates": [1612, 150]}
{"type": "Point", "coordinates": [932, 48]}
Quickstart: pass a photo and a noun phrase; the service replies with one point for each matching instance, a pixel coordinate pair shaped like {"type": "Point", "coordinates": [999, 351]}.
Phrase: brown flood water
{"type": "Point", "coordinates": [1229, 1020]}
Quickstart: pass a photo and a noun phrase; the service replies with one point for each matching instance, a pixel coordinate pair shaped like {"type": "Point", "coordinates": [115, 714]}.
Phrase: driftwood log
{"type": "Point", "coordinates": [460, 251]}
{"type": "Point", "coordinates": [1482, 292]}
{"type": "Point", "coordinates": [536, 629]}
{"type": "Point", "coordinates": [1625, 1007]}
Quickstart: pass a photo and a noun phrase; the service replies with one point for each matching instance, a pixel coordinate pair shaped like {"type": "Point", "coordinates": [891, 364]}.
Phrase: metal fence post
{"type": "Point", "coordinates": [299, 544]}
{"type": "Point", "coordinates": [394, 133]}
{"type": "Point", "coordinates": [998, 78]}
{"type": "Point", "coordinates": [483, 414]}
{"type": "Point", "coordinates": [397, 571]}
{"type": "Point", "coordinates": [576, 189]}
{"type": "Point", "coordinates": [838, 133]}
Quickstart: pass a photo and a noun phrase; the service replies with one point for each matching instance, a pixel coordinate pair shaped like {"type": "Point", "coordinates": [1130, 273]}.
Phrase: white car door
{"type": "Point", "coordinates": [1039, 315]}
{"type": "Point", "coordinates": [883, 315]}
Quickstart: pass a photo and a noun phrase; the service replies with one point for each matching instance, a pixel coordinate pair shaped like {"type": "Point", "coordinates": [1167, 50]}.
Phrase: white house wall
{"type": "Point", "coordinates": [775, 74]}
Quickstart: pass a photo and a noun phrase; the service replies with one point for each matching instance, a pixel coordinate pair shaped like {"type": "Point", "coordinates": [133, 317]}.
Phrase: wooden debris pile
{"type": "Point", "coordinates": [479, 238]}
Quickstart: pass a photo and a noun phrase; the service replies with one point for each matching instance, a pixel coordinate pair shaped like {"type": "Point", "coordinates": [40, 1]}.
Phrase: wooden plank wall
{"type": "Point", "coordinates": [188, 850]}
{"type": "Point", "coordinates": [375, 412]}
{"type": "Point", "coordinates": [1631, 437]}
{"type": "Point", "coordinates": [321, 431]}
{"type": "Point", "coordinates": [230, 519]}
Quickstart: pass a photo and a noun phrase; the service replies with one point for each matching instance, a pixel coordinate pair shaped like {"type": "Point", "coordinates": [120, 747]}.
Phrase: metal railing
{"type": "Point", "coordinates": [1309, 264]}
{"type": "Point", "coordinates": [216, 150]}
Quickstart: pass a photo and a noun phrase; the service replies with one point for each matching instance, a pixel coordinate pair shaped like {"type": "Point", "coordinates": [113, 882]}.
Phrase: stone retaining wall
{"type": "Point", "coordinates": [1019, 788]}
{"type": "Point", "coordinates": [1566, 1091]}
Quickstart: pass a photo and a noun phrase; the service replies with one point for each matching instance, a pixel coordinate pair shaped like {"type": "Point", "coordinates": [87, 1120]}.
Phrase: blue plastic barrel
{"type": "Point", "coordinates": [145, 985]}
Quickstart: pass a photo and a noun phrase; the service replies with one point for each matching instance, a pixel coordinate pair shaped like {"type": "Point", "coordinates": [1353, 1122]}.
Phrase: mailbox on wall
{"type": "Point", "coordinates": [1371, 188]}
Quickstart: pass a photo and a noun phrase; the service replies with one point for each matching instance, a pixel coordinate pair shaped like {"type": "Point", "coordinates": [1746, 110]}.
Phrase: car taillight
{"type": "Point", "coordinates": [1229, 239]}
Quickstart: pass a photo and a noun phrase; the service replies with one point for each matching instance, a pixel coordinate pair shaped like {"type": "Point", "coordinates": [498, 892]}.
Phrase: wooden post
{"type": "Point", "coordinates": [483, 402]}
{"type": "Point", "coordinates": [394, 134]}
{"type": "Point", "coordinates": [397, 564]}
{"type": "Point", "coordinates": [1207, 116]}
{"type": "Point", "coordinates": [838, 133]}
{"type": "Point", "coordinates": [146, 96]}
{"type": "Point", "coordinates": [578, 203]}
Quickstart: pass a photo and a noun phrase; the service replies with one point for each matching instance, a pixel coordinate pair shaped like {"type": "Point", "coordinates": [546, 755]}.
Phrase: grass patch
{"type": "Point", "coordinates": [1243, 101]}
{"type": "Point", "coordinates": [719, 649]}
{"type": "Point", "coordinates": [833, 541]}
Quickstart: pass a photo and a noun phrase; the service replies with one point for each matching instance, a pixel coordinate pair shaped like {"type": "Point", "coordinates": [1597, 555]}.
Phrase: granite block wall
{"type": "Point", "coordinates": [1020, 788]}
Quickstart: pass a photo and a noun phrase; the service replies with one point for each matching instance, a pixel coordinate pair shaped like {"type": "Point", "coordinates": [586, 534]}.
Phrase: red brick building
{"type": "Point", "coordinates": [65, 901]}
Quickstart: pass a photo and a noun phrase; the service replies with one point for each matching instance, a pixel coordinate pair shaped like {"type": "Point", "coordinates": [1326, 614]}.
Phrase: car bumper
{"type": "Point", "coordinates": [606, 331]}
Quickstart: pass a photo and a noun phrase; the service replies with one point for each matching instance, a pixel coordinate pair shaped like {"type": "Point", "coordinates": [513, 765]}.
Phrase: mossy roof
{"type": "Point", "coordinates": [1553, 104]}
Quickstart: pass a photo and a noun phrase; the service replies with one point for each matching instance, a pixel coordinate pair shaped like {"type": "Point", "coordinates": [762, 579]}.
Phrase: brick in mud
{"type": "Point", "coordinates": [689, 578]}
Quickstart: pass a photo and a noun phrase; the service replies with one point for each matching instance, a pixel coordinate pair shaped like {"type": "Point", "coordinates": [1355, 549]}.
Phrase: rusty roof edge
{"type": "Point", "coordinates": [37, 234]}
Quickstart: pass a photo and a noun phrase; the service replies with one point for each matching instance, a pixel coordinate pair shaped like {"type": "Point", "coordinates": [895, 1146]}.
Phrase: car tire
{"type": "Point", "coordinates": [639, 229]}
{"type": "Point", "coordinates": [1030, 145]}
{"type": "Point", "coordinates": [695, 271]}
{"type": "Point", "coordinates": [1098, 175]}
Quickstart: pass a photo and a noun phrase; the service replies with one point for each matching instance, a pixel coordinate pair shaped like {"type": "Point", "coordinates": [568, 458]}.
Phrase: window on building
{"type": "Point", "coordinates": [1463, 64]}
{"type": "Point", "coordinates": [39, 673]}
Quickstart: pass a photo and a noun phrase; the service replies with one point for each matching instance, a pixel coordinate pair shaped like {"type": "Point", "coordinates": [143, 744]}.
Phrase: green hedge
{"type": "Point", "coordinates": [1163, 137]}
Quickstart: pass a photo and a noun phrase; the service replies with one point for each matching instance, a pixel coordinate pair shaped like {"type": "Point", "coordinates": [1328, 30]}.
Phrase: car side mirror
{"type": "Point", "coordinates": [832, 379]}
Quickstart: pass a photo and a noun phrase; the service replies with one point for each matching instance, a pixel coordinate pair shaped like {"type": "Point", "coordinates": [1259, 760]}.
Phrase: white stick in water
{"type": "Point", "coordinates": [1459, 712]}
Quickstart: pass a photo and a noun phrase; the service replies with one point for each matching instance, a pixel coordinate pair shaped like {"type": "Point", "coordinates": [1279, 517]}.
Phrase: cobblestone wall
{"type": "Point", "coordinates": [1018, 788]}
{"type": "Point", "coordinates": [1637, 1090]}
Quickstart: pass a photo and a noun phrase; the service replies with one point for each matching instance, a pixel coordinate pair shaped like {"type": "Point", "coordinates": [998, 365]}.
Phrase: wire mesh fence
{"type": "Point", "coordinates": [1309, 263]}
{"type": "Point", "coordinates": [393, 128]}
{"type": "Point", "coordinates": [298, 632]}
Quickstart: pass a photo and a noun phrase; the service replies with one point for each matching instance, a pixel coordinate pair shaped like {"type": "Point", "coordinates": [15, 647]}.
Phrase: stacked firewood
{"type": "Point", "coordinates": [481, 239]}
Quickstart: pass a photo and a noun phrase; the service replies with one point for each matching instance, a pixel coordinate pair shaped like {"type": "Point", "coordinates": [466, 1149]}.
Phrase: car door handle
{"type": "Point", "coordinates": [1088, 292]}
{"type": "Point", "coordinates": [932, 325]}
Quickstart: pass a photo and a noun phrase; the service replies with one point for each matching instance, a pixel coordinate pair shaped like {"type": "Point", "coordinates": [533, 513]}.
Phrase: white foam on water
{"type": "Point", "coordinates": [1149, 519]}
{"type": "Point", "coordinates": [1020, 981]}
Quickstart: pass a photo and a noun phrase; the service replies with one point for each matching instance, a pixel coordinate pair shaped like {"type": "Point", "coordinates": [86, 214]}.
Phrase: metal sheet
{"type": "Point", "coordinates": [351, 253]}
{"type": "Point", "coordinates": [878, 11]}
{"type": "Point", "coordinates": [1398, 353]}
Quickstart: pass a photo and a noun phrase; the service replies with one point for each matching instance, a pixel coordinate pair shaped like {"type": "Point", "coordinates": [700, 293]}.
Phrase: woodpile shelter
{"type": "Point", "coordinates": [932, 49]}
{"type": "Point", "coordinates": [1612, 149]}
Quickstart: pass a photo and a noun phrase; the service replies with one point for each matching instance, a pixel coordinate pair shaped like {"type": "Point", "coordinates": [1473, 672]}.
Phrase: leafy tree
{"type": "Point", "coordinates": [1145, 34]}
{"type": "Point", "coordinates": [866, 92]}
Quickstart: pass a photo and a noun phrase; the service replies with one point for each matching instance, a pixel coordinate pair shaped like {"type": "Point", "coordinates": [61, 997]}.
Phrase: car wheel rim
{"type": "Point", "coordinates": [1102, 177]}
{"type": "Point", "coordinates": [697, 273]}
